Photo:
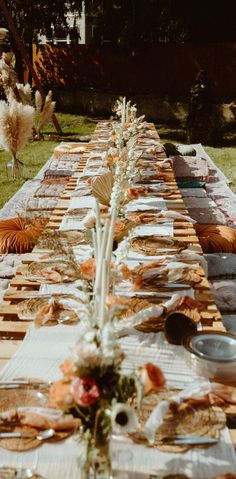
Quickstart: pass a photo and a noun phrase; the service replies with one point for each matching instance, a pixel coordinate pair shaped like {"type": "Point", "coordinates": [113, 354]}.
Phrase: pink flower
{"type": "Point", "coordinates": [85, 391]}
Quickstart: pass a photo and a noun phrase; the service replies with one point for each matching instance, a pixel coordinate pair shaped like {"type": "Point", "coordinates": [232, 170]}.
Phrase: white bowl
{"type": "Point", "coordinates": [212, 355]}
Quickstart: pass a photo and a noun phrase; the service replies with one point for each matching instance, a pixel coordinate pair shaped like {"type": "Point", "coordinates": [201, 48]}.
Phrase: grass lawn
{"type": "Point", "coordinates": [74, 127]}
{"type": "Point", "coordinates": [36, 153]}
{"type": "Point", "coordinates": [223, 156]}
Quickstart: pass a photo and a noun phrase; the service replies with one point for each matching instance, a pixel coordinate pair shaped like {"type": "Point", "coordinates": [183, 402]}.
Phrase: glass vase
{"type": "Point", "coordinates": [15, 168]}
{"type": "Point", "coordinates": [100, 466]}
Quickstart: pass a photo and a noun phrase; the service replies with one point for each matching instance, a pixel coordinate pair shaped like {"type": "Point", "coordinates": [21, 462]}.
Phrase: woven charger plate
{"type": "Point", "coordinates": [14, 398]}
{"type": "Point", "coordinates": [69, 238]}
{"type": "Point", "coordinates": [200, 420]}
{"type": "Point", "coordinates": [149, 246]}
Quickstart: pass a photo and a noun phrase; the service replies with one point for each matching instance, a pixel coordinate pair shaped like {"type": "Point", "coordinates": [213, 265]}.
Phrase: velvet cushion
{"type": "Point", "coordinates": [18, 235]}
{"type": "Point", "coordinates": [216, 238]}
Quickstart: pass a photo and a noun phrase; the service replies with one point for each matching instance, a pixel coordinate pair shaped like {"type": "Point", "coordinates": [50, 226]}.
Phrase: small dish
{"type": "Point", "coordinates": [212, 354]}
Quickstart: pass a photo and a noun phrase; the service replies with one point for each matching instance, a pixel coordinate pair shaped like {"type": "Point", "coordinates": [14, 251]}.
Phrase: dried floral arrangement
{"type": "Point", "coordinates": [94, 388]}
{"type": "Point", "coordinates": [23, 94]}
{"type": "Point", "coordinates": [16, 123]}
{"type": "Point", "coordinates": [8, 75]}
{"type": "Point", "coordinates": [44, 109]}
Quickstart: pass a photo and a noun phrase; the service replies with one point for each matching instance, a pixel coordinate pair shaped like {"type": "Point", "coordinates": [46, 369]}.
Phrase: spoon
{"type": "Point", "coordinates": [25, 474]}
{"type": "Point", "coordinates": [12, 473]}
{"type": "Point", "coordinates": [41, 436]}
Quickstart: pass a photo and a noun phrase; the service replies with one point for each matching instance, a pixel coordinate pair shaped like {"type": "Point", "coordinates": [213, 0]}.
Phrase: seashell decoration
{"type": "Point", "coordinates": [102, 188]}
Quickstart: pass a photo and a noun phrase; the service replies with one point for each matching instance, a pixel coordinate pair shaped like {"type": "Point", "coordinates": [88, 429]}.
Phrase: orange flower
{"type": "Point", "coordinates": [126, 272]}
{"type": "Point", "coordinates": [151, 377]}
{"type": "Point", "coordinates": [120, 231]}
{"type": "Point", "coordinates": [133, 193]}
{"type": "Point", "coordinates": [116, 300]}
{"type": "Point", "coordinates": [67, 369]}
{"type": "Point", "coordinates": [89, 180]}
{"type": "Point", "coordinates": [88, 269]}
{"type": "Point", "coordinates": [60, 395]}
{"type": "Point", "coordinates": [111, 160]}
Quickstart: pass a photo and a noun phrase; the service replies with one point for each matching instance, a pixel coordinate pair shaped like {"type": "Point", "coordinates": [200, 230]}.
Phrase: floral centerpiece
{"type": "Point", "coordinates": [94, 389]}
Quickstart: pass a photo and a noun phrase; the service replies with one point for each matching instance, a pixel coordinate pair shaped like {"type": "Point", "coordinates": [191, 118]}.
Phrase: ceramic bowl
{"type": "Point", "coordinates": [212, 355]}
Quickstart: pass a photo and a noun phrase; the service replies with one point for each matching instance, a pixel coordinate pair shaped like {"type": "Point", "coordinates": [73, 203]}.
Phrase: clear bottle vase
{"type": "Point", "coordinates": [15, 168]}
{"type": "Point", "coordinates": [100, 468]}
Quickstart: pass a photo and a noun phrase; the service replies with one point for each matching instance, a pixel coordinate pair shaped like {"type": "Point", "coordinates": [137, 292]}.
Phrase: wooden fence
{"type": "Point", "coordinates": [166, 70]}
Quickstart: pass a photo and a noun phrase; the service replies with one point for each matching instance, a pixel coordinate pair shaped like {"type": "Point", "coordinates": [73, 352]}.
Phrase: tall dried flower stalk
{"type": "Point", "coordinates": [45, 111]}
{"type": "Point", "coordinates": [8, 76]}
{"type": "Point", "coordinates": [16, 122]}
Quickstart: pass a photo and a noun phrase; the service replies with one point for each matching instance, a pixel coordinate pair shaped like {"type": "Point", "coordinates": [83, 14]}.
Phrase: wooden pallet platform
{"type": "Point", "coordinates": [13, 330]}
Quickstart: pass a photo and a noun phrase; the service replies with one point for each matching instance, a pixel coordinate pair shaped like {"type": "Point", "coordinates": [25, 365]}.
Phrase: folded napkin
{"type": "Point", "coordinates": [153, 218]}
{"type": "Point", "coordinates": [41, 418]}
{"type": "Point", "coordinates": [144, 204]}
{"type": "Point", "coordinates": [150, 230]}
{"type": "Point", "coordinates": [82, 202]}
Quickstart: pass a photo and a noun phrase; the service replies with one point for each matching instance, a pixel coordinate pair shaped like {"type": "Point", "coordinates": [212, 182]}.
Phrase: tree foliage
{"type": "Point", "coordinates": [142, 22]}
{"type": "Point", "coordinates": [36, 17]}
{"type": "Point", "coordinates": [32, 18]}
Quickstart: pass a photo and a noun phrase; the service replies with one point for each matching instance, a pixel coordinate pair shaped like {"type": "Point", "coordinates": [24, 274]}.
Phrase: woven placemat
{"type": "Point", "coordinates": [11, 399]}
{"type": "Point", "coordinates": [200, 420]}
{"type": "Point", "coordinates": [43, 272]}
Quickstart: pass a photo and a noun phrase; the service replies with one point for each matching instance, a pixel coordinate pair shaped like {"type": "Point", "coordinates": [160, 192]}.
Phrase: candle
{"type": "Point", "coordinates": [123, 112]}
{"type": "Point", "coordinates": [98, 238]}
{"type": "Point", "coordinates": [127, 114]}
{"type": "Point", "coordinates": [98, 215]}
{"type": "Point", "coordinates": [100, 257]}
{"type": "Point", "coordinates": [102, 316]}
{"type": "Point", "coordinates": [111, 236]}
{"type": "Point", "coordinates": [94, 243]}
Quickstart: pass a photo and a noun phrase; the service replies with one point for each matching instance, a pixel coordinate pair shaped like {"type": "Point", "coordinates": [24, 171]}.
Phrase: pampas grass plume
{"type": "Point", "coordinates": [38, 101]}
{"type": "Point", "coordinates": [48, 109]}
{"type": "Point", "coordinates": [16, 123]}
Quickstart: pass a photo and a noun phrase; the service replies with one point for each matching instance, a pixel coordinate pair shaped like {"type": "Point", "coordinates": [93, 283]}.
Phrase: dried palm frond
{"type": "Point", "coordinates": [16, 122]}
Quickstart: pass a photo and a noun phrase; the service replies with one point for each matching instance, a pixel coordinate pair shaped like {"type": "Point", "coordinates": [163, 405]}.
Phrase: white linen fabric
{"type": "Point", "coordinates": [40, 355]}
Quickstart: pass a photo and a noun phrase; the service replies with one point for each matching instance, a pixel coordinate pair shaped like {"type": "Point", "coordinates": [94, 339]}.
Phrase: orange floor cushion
{"type": "Point", "coordinates": [216, 238]}
{"type": "Point", "coordinates": [19, 235]}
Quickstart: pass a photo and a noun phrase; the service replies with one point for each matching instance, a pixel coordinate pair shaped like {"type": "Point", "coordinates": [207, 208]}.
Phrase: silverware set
{"type": "Point", "coordinates": [15, 384]}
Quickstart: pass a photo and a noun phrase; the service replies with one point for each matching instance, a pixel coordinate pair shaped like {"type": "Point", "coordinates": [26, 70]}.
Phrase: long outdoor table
{"type": "Point", "coordinates": [13, 330]}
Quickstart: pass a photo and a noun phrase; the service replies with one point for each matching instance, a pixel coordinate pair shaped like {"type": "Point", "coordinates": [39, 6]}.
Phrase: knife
{"type": "Point", "coordinates": [24, 383]}
{"type": "Point", "coordinates": [192, 440]}
{"type": "Point", "coordinates": [6, 435]}
{"type": "Point", "coordinates": [144, 294]}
